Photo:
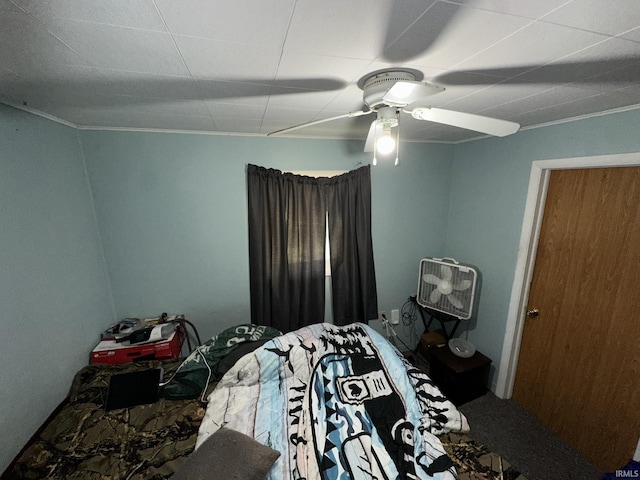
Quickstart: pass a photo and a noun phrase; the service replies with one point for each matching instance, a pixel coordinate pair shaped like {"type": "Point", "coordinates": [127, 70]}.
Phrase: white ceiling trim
{"type": "Point", "coordinates": [303, 137]}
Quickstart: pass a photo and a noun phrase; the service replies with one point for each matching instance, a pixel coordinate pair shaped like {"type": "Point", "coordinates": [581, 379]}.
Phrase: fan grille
{"type": "Point", "coordinates": [447, 287]}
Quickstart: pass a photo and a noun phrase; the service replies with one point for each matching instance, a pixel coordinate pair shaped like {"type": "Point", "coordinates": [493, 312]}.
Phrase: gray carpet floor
{"type": "Point", "coordinates": [506, 428]}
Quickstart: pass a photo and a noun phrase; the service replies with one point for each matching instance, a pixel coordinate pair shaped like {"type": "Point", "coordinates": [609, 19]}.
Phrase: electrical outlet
{"type": "Point", "coordinates": [395, 317]}
{"type": "Point", "coordinates": [382, 315]}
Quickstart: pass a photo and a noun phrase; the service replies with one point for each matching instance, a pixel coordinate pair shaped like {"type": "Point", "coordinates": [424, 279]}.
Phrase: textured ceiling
{"type": "Point", "coordinates": [256, 66]}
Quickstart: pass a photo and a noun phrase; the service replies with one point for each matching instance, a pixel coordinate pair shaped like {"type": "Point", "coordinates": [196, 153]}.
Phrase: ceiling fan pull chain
{"type": "Point", "coordinates": [397, 162]}
{"type": "Point", "coordinates": [375, 143]}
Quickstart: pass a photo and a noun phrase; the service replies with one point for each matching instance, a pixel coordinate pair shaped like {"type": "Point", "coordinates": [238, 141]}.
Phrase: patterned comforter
{"type": "Point", "coordinates": [338, 403]}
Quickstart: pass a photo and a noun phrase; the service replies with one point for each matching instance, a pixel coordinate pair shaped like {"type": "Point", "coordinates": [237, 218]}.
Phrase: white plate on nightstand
{"type": "Point", "coordinates": [462, 348]}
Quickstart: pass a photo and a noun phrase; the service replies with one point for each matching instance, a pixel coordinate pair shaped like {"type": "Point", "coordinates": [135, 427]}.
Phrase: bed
{"type": "Point", "coordinates": [322, 402]}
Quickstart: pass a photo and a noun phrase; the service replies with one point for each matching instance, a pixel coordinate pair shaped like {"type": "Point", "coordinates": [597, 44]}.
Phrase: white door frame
{"type": "Point", "coordinates": [534, 209]}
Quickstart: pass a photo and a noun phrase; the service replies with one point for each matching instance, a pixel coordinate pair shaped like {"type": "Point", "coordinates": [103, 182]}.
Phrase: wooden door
{"type": "Point", "coordinates": [579, 363]}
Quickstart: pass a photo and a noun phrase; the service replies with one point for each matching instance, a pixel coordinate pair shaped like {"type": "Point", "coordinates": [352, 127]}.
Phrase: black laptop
{"type": "Point", "coordinates": [134, 388]}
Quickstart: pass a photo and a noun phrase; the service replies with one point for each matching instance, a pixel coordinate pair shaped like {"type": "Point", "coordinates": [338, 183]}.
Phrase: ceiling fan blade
{"type": "Point", "coordinates": [317, 122]}
{"type": "Point", "coordinates": [369, 143]}
{"type": "Point", "coordinates": [403, 93]}
{"type": "Point", "coordinates": [478, 123]}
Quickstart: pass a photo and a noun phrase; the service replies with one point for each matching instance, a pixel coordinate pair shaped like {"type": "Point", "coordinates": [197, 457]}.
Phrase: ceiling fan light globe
{"type": "Point", "coordinates": [385, 145]}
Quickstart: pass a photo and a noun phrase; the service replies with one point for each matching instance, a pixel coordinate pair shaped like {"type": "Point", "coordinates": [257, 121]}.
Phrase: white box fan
{"type": "Point", "coordinates": [447, 286]}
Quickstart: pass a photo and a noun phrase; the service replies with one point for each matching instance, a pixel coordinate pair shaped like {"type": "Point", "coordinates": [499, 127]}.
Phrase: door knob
{"type": "Point", "coordinates": [533, 312]}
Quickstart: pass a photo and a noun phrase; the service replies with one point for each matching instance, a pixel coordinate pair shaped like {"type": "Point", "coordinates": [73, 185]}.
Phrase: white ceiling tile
{"type": "Point", "coordinates": [349, 100]}
{"type": "Point", "coordinates": [222, 110]}
{"type": "Point", "coordinates": [537, 44]}
{"type": "Point", "coordinates": [599, 66]}
{"type": "Point", "coordinates": [126, 104]}
{"type": "Point", "coordinates": [224, 61]}
{"type": "Point", "coordinates": [27, 48]}
{"type": "Point", "coordinates": [633, 35]}
{"type": "Point", "coordinates": [9, 5]}
{"type": "Point", "coordinates": [236, 125]}
{"type": "Point", "coordinates": [287, 117]}
{"type": "Point", "coordinates": [464, 34]}
{"type": "Point", "coordinates": [523, 8]}
{"type": "Point", "coordinates": [186, 88]}
{"type": "Point", "coordinates": [493, 96]}
{"type": "Point", "coordinates": [120, 48]}
{"type": "Point", "coordinates": [138, 119]}
{"type": "Point", "coordinates": [354, 29]}
{"type": "Point", "coordinates": [178, 122]}
{"type": "Point", "coordinates": [592, 105]}
{"type": "Point", "coordinates": [129, 13]}
{"type": "Point", "coordinates": [308, 66]}
{"type": "Point", "coordinates": [214, 91]}
{"type": "Point", "coordinates": [308, 100]}
{"type": "Point", "coordinates": [465, 85]}
{"type": "Point", "coordinates": [236, 93]}
{"type": "Point", "coordinates": [168, 108]}
{"type": "Point", "coordinates": [611, 17]}
{"type": "Point", "coordinates": [548, 98]}
{"type": "Point", "coordinates": [145, 84]}
{"type": "Point", "coordinates": [64, 85]}
{"type": "Point", "coordinates": [629, 94]}
{"type": "Point", "coordinates": [240, 21]}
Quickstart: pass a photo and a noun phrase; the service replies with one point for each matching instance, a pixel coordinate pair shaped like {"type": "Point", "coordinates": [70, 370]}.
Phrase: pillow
{"type": "Point", "coordinates": [230, 455]}
{"type": "Point", "coordinates": [229, 360]}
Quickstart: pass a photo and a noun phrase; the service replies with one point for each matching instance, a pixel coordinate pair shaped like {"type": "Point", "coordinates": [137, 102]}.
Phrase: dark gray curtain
{"type": "Point", "coordinates": [287, 216]}
{"type": "Point", "coordinates": [286, 248]}
{"type": "Point", "coordinates": [353, 278]}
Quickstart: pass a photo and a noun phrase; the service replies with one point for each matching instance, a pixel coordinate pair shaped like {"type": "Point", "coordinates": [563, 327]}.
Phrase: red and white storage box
{"type": "Point", "coordinates": [108, 351]}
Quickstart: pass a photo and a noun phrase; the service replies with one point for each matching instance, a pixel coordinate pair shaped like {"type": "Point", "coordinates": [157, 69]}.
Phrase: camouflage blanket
{"type": "Point", "coordinates": [474, 461]}
{"type": "Point", "coordinates": [83, 441]}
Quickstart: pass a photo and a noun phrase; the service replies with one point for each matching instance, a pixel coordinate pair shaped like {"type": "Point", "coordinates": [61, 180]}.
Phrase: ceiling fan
{"type": "Point", "coordinates": [389, 92]}
{"type": "Point", "coordinates": [393, 91]}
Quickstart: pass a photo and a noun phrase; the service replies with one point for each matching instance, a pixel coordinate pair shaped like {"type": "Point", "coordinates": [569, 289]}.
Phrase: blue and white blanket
{"type": "Point", "coordinates": [338, 403]}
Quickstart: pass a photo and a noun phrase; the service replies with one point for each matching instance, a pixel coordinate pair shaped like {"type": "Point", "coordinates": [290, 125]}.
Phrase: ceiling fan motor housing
{"type": "Point", "coordinates": [376, 86]}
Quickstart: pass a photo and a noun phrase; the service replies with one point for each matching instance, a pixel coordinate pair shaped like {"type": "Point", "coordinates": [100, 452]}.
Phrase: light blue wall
{"type": "Point", "coordinates": [54, 290]}
{"type": "Point", "coordinates": [171, 211]}
{"type": "Point", "coordinates": [172, 215]}
{"type": "Point", "coordinates": [488, 193]}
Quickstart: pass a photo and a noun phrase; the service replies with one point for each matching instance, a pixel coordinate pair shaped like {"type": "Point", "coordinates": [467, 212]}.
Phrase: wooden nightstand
{"type": "Point", "coordinates": [460, 379]}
